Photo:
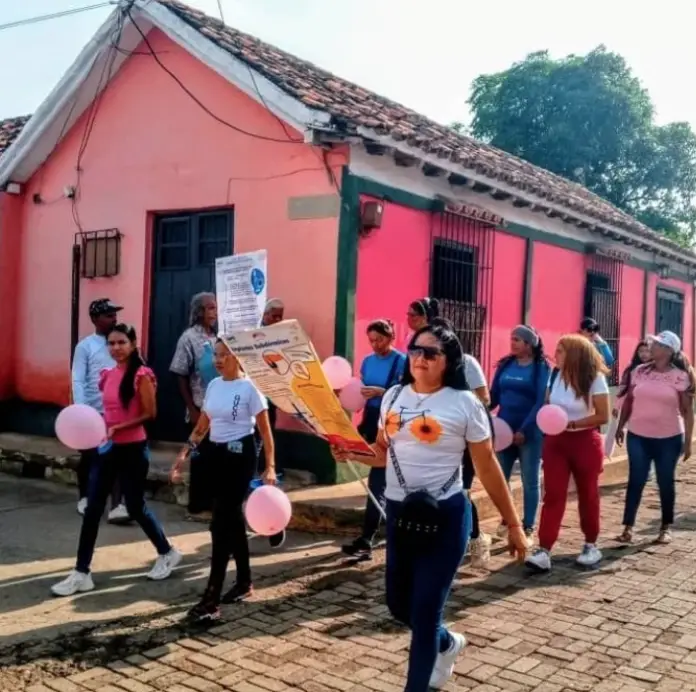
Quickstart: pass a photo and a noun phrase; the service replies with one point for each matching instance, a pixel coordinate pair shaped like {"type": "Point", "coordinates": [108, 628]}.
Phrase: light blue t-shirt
{"type": "Point", "coordinates": [382, 371]}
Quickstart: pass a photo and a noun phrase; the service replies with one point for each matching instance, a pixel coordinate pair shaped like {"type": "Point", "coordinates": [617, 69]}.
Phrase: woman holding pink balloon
{"type": "Point", "coordinates": [379, 371]}
{"type": "Point", "coordinates": [518, 392]}
{"type": "Point", "coordinates": [426, 423]}
{"type": "Point", "coordinates": [129, 402]}
{"type": "Point", "coordinates": [578, 398]}
{"type": "Point", "coordinates": [232, 408]}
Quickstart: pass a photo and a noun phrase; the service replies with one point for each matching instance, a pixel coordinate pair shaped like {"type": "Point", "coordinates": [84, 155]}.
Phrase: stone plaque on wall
{"type": "Point", "coordinates": [314, 207]}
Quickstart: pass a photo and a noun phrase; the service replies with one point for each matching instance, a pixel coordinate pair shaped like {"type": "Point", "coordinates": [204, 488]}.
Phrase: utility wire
{"type": "Point", "coordinates": [196, 100]}
{"type": "Point", "coordinates": [52, 15]}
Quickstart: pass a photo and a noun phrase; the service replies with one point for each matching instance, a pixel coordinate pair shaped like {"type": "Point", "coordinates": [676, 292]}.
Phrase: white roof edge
{"type": "Point", "coordinates": [521, 194]}
{"type": "Point", "coordinates": [290, 110]}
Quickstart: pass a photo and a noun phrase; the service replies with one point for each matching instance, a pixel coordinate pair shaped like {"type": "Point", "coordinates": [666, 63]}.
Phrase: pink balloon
{"type": "Point", "coordinates": [338, 371]}
{"type": "Point", "coordinates": [552, 419]}
{"type": "Point", "coordinates": [350, 397]}
{"type": "Point", "coordinates": [80, 427]}
{"type": "Point", "coordinates": [503, 434]}
{"type": "Point", "coordinates": [268, 510]}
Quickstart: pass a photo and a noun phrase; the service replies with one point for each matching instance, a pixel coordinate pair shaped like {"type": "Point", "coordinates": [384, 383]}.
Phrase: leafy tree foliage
{"type": "Point", "coordinates": [588, 119]}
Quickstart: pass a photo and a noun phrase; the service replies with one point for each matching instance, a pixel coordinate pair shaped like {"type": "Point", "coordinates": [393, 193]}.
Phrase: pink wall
{"type": "Point", "coordinates": [508, 292]}
{"type": "Point", "coordinates": [651, 307]}
{"type": "Point", "coordinates": [10, 210]}
{"type": "Point", "coordinates": [631, 318]}
{"type": "Point", "coordinates": [152, 150]}
{"type": "Point", "coordinates": [393, 270]}
{"type": "Point", "coordinates": [558, 286]}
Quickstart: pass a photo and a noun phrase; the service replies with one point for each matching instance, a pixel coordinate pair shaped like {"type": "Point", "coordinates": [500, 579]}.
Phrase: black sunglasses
{"type": "Point", "coordinates": [427, 352]}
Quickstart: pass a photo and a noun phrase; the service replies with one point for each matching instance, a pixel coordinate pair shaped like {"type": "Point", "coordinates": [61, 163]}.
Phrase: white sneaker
{"type": "Point", "coordinates": [480, 550]}
{"type": "Point", "coordinates": [539, 561]}
{"type": "Point", "coordinates": [589, 556]}
{"type": "Point", "coordinates": [118, 515]}
{"type": "Point", "coordinates": [164, 564]}
{"type": "Point", "coordinates": [75, 582]}
{"type": "Point", "coordinates": [82, 506]}
{"type": "Point", "coordinates": [444, 663]}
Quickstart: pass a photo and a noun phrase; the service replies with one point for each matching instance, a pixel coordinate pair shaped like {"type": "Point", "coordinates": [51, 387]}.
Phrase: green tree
{"type": "Point", "coordinates": [588, 119]}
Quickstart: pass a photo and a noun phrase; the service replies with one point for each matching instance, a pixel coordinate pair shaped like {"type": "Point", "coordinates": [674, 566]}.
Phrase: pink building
{"type": "Point", "coordinates": [173, 139]}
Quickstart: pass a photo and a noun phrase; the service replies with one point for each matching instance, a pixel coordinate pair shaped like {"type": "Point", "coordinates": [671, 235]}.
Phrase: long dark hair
{"type": "Point", "coordinates": [453, 375]}
{"type": "Point", "coordinates": [635, 362]}
{"type": "Point", "coordinates": [426, 307]}
{"type": "Point", "coordinates": [126, 391]}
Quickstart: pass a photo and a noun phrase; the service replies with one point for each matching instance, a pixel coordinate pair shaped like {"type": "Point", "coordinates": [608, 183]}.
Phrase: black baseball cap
{"type": "Point", "coordinates": [103, 306]}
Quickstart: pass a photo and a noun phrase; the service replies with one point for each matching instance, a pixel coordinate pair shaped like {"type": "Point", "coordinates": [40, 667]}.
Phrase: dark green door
{"type": "Point", "coordinates": [184, 251]}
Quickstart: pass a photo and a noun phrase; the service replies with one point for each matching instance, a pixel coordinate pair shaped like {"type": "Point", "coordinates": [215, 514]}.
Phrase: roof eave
{"type": "Point", "coordinates": [678, 256]}
{"type": "Point", "coordinates": [262, 90]}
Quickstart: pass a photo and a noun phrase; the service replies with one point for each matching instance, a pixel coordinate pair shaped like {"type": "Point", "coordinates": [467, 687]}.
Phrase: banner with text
{"type": "Point", "coordinates": [241, 288]}
{"type": "Point", "coordinates": [283, 364]}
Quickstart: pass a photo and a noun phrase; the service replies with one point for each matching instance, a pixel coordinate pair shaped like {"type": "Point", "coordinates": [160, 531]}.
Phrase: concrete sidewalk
{"type": "Point", "coordinates": [335, 509]}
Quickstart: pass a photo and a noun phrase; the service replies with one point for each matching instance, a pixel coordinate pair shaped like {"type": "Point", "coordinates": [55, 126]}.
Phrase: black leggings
{"type": "Point", "coordinates": [232, 472]}
{"type": "Point", "coordinates": [468, 475]}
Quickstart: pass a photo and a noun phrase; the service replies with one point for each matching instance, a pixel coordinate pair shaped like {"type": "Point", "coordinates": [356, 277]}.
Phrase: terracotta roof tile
{"type": "Point", "coordinates": [352, 107]}
{"type": "Point", "coordinates": [10, 129]}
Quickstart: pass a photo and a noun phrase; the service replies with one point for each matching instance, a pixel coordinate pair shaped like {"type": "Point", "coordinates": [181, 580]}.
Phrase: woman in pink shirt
{"type": "Point", "coordinates": [641, 356]}
{"type": "Point", "coordinates": [659, 411]}
{"type": "Point", "coordinates": [129, 401]}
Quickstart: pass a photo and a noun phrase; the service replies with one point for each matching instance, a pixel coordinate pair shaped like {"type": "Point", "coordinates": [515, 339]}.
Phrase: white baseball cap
{"type": "Point", "coordinates": [668, 339]}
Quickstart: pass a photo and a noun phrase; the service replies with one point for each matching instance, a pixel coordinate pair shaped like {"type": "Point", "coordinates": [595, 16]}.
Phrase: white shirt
{"type": "Point", "coordinates": [564, 396]}
{"type": "Point", "coordinates": [232, 407]}
{"type": "Point", "coordinates": [429, 434]}
{"type": "Point", "coordinates": [474, 372]}
{"type": "Point", "coordinates": [91, 357]}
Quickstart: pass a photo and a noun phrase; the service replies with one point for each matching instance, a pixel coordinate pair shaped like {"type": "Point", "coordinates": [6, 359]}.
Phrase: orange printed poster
{"type": "Point", "coordinates": [283, 364]}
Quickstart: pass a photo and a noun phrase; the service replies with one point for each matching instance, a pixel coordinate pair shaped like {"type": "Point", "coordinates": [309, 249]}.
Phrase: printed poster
{"type": "Point", "coordinates": [241, 288]}
{"type": "Point", "coordinates": [283, 364]}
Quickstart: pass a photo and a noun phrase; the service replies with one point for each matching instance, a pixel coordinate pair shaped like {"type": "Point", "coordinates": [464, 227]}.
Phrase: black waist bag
{"type": "Point", "coordinates": [419, 519]}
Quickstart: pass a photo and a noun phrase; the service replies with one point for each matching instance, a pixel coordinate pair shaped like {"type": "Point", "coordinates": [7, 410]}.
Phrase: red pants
{"type": "Point", "coordinates": [580, 454]}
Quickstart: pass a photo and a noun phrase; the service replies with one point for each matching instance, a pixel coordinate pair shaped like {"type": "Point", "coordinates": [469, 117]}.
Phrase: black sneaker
{"type": "Point", "coordinates": [205, 611]}
{"type": "Point", "coordinates": [239, 592]}
{"type": "Point", "coordinates": [360, 549]}
{"type": "Point", "coordinates": [277, 540]}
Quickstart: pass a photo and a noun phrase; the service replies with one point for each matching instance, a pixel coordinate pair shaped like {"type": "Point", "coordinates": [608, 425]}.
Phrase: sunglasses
{"type": "Point", "coordinates": [426, 352]}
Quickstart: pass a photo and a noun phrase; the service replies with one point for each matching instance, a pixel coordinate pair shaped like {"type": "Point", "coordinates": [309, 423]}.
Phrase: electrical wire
{"type": "Point", "coordinates": [52, 15]}
{"type": "Point", "coordinates": [196, 100]}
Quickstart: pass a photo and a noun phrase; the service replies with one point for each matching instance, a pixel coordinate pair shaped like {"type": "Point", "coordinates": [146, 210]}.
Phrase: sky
{"type": "Point", "coordinates": [423, 54]}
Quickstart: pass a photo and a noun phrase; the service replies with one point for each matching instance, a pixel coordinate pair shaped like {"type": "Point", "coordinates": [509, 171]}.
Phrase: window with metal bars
{"type": "Point", "coordinates": [461, 278]}
{"type": "Point", "coordinates": [100, 253]}
{"type": "Point", "coordinates": [670, 311]}
{"type": "Point", "coordinates": [602, 302]}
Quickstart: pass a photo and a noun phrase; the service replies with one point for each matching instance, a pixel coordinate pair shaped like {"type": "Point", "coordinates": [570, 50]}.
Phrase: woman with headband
{"type": "Point", "coordinates": [518, 392]}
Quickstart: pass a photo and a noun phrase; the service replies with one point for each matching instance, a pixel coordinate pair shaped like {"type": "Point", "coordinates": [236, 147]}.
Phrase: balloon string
{"type": "Point", "coordinates": [375, 501]}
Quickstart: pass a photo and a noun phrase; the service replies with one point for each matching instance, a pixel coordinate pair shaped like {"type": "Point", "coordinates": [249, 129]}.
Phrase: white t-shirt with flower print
{"type": "Point", "coordinates": [429, 433]}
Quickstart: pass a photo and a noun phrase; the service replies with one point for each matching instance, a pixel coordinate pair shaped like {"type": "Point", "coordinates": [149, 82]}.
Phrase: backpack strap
{"type": "Point", "coordinates": [554, 376]}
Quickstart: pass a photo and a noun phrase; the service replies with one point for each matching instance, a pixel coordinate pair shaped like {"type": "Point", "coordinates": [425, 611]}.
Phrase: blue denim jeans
{"type": "Point", "coordinates": [127, 463]}
{"type": "Point", "coordinates": [642, 452]}
{"type": "Point", "coordinates": [529, 455]}
{"type": "Point", "coordinates": [418, 585]}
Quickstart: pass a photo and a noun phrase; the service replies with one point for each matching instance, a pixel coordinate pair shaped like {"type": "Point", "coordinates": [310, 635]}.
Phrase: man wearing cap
{"type": "Point", "coordinates": [90, 358]}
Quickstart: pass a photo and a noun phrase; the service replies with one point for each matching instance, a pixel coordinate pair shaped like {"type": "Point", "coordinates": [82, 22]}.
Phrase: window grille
{"type": "Point", "coordinates": [461, 278]}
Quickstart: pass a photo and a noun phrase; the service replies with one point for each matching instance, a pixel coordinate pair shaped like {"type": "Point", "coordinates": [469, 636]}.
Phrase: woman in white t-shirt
{"type": "Point", "coordinates": [231, 410]}
{"type": "Point", "coordinates": [425, 425]}
{"type": "Point", "coordinates": [578, 385]}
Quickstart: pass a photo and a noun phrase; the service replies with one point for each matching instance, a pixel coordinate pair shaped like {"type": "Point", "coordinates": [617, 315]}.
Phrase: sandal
{"type": "Point", "coordinates": [626, 537]}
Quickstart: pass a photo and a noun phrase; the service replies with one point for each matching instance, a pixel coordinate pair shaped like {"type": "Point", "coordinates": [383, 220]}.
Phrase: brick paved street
{"type": "Point", "coordinates": [629, 626]}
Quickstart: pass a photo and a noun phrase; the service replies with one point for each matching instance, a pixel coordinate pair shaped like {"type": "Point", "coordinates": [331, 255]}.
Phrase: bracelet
{"type": "Point", "coordinates": [514, 526]}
